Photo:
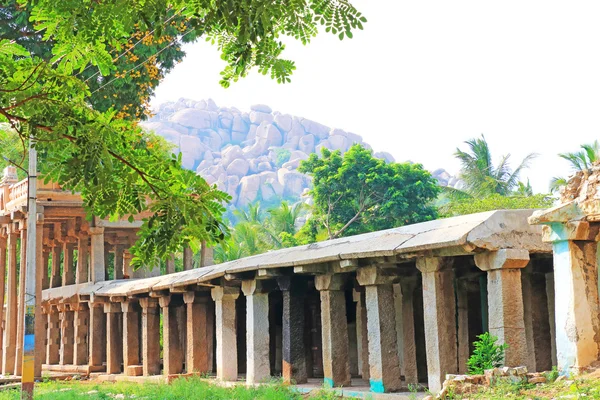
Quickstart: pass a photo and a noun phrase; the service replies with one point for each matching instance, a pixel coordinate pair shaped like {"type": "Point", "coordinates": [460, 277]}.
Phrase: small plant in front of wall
{"type": "Point", "coordinates": [486, 355]}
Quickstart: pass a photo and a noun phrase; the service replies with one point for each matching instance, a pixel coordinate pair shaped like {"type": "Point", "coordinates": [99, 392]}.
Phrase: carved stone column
{"type": "Point", "coordinates": [150, 336]}
{"type": "Point", "coordinates": [381, 322]}
{"type": "Point", "coordinates": [56, 278]}
{"type": "Point", "coordinates": [67, 337]}
{"type": "Point", "coordinates": [334, 330]}
{"type": "Point", "coordinates": [440, 319]}
{"type": "Point", "coordinates": [21, 304]}
{"type": "Point", "coordinates": [83, 255]}
{"type": "Point", "coordinates": [131, 341]}
{"type": "Point", "coordinates": [293, 289]}
{"type": "Point", "coordinates": [505, 300]}
{"type": "Point", "coordinates": [97, 265]}
{"type": "Point", "coordinates": [258, 368]}
{"type": "Point", "coordinates": [53, 335]}
{"type": "Point", "coordinates": [68, 267]}
{"type": "Point", "coordinates": [172, 348]}
{"type": "Point", "coordinates": [81, 319]}
{"type": "Point", "coordinates": [97, 335]}
{"type": "Point", "coordinates": [10, 327]}
{"type": "Point", "coordinates": [199, 333]}
{"type": "Point", "coordinates": [224, 297]}
{"type": "Point", "coordinates": [114, 338]}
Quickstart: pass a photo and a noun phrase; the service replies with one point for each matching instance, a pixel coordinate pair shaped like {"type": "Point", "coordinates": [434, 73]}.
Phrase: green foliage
{"type": "Point", "coordinates": [486, 355]}
{"type": "Point", "coordinates": [357, 193]}
{"type": "Point", "coordinates": [257, 231]}
{"type": "Point", "coordinates": [78, 91]}
{"type": "Point", "coordinates": [494, 202]}
{"type": "Point", "coordinates": [481, 177]}
{"type": "Point", "coordinates": [282, 156]}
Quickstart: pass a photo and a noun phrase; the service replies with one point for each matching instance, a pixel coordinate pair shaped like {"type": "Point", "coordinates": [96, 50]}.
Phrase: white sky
{"type": "Point", "coordinates": [426, 75]}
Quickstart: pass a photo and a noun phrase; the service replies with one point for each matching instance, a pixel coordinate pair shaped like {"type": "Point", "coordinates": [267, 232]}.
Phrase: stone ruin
{"type": "Point", "coordinates": [378, 311]}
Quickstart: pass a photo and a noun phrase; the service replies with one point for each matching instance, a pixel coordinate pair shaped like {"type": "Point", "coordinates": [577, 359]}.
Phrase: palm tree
{"type": "Point", "coordinates": [581, 160]}
{"type": "Point", "coordinates": [283, 218]}
{"type": "Point", "coordinates": [481, 177]}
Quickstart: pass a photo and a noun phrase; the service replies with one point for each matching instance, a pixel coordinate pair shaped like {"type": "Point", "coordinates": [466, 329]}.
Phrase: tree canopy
{"type": "Point", "coordinates": [77, 74]}
{"type": "Point", "coordinates": [356, 193]}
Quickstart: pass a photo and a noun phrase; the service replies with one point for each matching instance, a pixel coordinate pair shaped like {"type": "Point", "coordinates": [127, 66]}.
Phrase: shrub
{"type": "Point", "coordinates": [486, 355]}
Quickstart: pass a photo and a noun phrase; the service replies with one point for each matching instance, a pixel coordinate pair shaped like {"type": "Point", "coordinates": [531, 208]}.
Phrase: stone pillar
{"type": "Point", "coordinates": [551, 313]}
{"type": "Point", "coordinates": [10, 325]}
{"type": "Point", "coordinates": [528, 320]}
{"type": "Point", "coordinates": [206, 256]}
{"type": "Point", "coordinates": [131, 337]}
{"type": "Point", "coordinates": [199, 334]}
{"type": "Point", "coordinates": [362, 334]}
{"type": "Point", "coordinates": [45, 277]}
{"type": "Point", "coordinates": [224, 297]}
{"type": "Point", "coordinates": [68, 277]}
{"type": "Point", "coordinates": [40, 320]}
{"type": "Point", "coordinates": [258, 369]}
{"type": "Point", "coordinates": [462, 304]}
{"type": "Point", "coordinates": [127, 270]}
{"type": "Point", "coordinates": [97, 335]}
{"type": "Point", "coordinates": [114, 338]}
{"type": "Point", "coordinates": [576, 295]}
{"type": "Point", "coordinates": [67, 337]}
{"type": "Point", "coordinates": [439, 318]}
{"type": "Point", "coordinates": [83, 255]}
{"type": "Point", "coordinates": [409, 351]}
{"type": "Point", "coordinates": [21, 303]}
{"type": "Point", "coordinates": [150, 336]}
{"type": "Point", "coordinates": [119, 266]}
{"type": "Point", "coordinates": [97, 266]}
{"type": "Point", "coordinates": [188, 259]}
{"type": "Point", "coordinates": [172, 348]}
{"type": "Point", "coordinates": [56, 278]}
{"type": "Point", "coordinates": [81, 318]}
{"type": "Point", "coordinates": [53, 335]}
{"type": "Point", "coordinates": [171, 264]}
{"type": "Point", "coordinates": [334, 330]}
{"type": "Point", "coordinates": [293, 289]}
{"type": "Point", "coordinates": [384, 371]}
{"type": "Point", "coordinates": [2, 297]}
{"type": "Point", "coordinates": [505, 300]}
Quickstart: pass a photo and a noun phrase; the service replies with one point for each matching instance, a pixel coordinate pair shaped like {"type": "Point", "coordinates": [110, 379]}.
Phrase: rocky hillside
{"type": "Point", "coordinates": [253, 155]}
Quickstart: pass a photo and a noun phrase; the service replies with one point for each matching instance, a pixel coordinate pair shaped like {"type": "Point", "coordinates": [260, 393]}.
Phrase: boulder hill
{"type": "Point", "coordinates": [252, 156]}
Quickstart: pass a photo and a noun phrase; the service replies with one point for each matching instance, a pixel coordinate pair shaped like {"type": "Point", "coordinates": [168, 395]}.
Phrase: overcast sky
{"type": "Point", "coordinates": [424, 76]}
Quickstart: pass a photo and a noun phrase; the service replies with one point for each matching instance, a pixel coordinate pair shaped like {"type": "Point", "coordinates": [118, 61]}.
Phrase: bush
{"type": "Point", "coordinates": [486, 355]}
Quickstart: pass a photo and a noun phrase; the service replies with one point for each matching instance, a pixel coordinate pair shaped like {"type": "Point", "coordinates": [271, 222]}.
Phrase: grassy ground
{"type": "Point", "coordinates": [184, 388]}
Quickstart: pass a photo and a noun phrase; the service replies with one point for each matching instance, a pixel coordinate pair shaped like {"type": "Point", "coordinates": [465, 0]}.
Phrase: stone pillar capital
{"type": "Point", "coordinates": [330, 282]}
{"type": "Point", "coordinates": [502, 259]}
{"type": "Point", "coordinates": [219, 293]}
{"type": "Point", "coordinates": [96, 230]}
{"type": "Point", "coordinates": [374, 275]}
{"type": "Point", "coordinates": [112, 307]}
{"type": "Point", "coordinates": [164, 301]}
{"type": "Point", "coordinates": [148, 302]}
{"type": "Point", "coordinates": [572, 230]}
{"type": "Point", "coordinates": [433, 264]}
{"type": "Point", "coordinates": [128, 305]}
{"type": "Point", "coordinates": [255, 286]}
{"type": "Point", "coordinates": [62, 307]}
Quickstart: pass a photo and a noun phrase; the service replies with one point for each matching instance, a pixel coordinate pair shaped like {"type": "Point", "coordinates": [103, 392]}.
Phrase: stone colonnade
{"type": "Point", "coordinates": [388, 323]}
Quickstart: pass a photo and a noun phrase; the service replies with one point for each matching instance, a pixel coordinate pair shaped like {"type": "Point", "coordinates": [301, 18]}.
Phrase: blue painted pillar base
{"type": "Point", "coordinates": [377, 386]}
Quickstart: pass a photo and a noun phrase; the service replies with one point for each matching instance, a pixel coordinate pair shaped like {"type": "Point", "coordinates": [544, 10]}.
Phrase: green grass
{"type": "Point", "coordinates": [183, 388]}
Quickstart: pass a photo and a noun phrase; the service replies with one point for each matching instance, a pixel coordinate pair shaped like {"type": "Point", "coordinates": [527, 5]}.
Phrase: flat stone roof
{"type": "Point", "coordinates": [455, 236]}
